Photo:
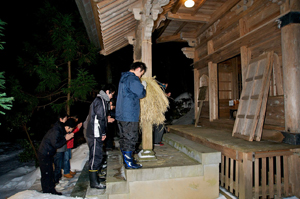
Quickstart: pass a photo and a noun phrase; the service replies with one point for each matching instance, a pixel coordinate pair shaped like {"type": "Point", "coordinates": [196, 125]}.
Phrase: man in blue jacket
{"type": "Point", "coordinates": [130, 91]}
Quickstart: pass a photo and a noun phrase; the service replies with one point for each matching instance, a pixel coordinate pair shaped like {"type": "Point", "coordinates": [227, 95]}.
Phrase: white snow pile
{"type": "Point", "coordinates": [31, 194]}
{"type": "Point", "coordinates": [22, 178]}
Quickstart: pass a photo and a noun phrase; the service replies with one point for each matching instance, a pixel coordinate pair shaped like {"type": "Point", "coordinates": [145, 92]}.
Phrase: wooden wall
{"type": "Point", "coordinates": [249, 31]}
{"type": "Point", "coordinates": [274, 118]}
{"type": "Point", "coordinates": [255, 20]}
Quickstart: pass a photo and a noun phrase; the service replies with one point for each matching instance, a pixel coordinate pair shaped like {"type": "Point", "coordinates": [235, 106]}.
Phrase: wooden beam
{"type": "Point", "coordinates": [267, 30]}
{"type": "Point", "coordinates": [223, 27]}
{"type": "Point", "coordinates": [180, 28]}
{"type": "Point", "coordinates": [115, 45]}
{"type": "Point", "coordinates": [198, 5]}
{"type": "Point", "coordinates": [104, 3]}
{"type": "Point", "coordinates": [114, 10]}
{"type": "Point", "coordinates": [107, 52]}
{"type": "Point", "coordinates": [169, 39]}
{"type": "Point", "coordinates": [117, 27]}
{"type": "Point", "coordinates": [177, 5]}
{"type": "Point", "coordinates": [114, 16]}
{"type": "Point", "coordinates": [188, 18]}
{"type": "Point", "coordinates": [98, 25]}
{"type": "Point", "coordinates": [161, 31]}
{"type": "Point", "coordinates": [218, 14]}
{"type": "Point", "coordinates": [119, 33]}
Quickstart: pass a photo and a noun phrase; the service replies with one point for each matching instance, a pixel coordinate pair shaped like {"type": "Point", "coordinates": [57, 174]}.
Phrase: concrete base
{"type": "Point", "coordinates": [173, 175]}
{"type": "Point", "coordinates": [146, 155]}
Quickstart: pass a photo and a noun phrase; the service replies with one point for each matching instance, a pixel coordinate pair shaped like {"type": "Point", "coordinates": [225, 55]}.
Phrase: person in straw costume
{"type": "Point", "coordinates": [153, 107]}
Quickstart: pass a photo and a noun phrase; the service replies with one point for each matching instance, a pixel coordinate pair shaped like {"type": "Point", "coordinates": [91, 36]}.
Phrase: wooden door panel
{"type": "Point", "coordinates": [253, 98]}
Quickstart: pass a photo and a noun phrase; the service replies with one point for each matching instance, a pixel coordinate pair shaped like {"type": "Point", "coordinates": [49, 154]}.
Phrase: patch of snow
{"type": "Point", "coordinates": [188, 118]}
{"type": "Point", "coordinates": [31, 194]}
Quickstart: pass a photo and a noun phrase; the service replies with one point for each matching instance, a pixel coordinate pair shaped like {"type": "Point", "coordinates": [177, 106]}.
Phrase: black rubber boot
{"type": "Point", "coordinates": [94, 180]}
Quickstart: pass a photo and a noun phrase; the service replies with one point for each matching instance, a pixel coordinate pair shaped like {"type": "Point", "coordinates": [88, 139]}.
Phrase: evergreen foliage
{"type": "Point", "coordinates": [44, 85]}
{"type": "Point", "coordinates": [5, 102]}
{"type": "Point", "coordinates": [60, 43]}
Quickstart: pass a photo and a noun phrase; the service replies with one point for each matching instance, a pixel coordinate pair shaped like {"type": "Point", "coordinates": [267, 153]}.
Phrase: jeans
{"type": "Point", "coordinates": [58, 162]}
{"type": "Point", "coordinates": [67, 158]}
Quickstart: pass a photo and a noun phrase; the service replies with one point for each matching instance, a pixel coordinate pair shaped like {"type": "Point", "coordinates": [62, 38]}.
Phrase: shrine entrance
{"type": "Point", "coordinates": [229, 87]}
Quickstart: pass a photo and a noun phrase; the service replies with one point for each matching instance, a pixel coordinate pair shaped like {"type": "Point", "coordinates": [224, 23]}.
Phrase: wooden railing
{"type": "Point", "coordinates": [272, 174]}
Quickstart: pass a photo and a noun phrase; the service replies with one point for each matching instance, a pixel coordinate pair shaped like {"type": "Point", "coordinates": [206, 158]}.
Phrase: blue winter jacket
{"type": "Point", "coordinates": [130, 92]}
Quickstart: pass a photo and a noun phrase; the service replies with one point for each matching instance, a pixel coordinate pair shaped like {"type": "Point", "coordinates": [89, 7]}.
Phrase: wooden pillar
{"type": "Point", "coordinates": [147, 15]}
{"type": "Point", "coordinates": [234, 80]}
{"type": "Point", "coordinates": [245, 52]}
{"type": "Point", "coordinates": [212, 85]}
{"type": "Point", "coordinates": [290, 43]}
{"type": "Point", "coordinates": [213, 91]}
{"type": "Point", "coordinates": [294, 174]}
{"type": "Point", "coordinates": [245, 177]}
{"type": "Point", "coordinates": [147, 56]}
{"type": "Point", "coordinates": [196, 89]}
{"type": "Point", "coordinates": [147, 135]}
{"type": "Point", "coordinates": [137, 47]}
{"type": "Point", "coordinates": [147, 154]}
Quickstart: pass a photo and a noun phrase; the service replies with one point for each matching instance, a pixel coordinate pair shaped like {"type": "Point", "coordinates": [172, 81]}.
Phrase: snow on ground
{"type": "Point", "coordinates": [20, 177]}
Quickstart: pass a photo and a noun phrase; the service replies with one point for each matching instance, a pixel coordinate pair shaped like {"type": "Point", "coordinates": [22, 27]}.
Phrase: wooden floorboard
{"type": "Point", "coordinates": [217, 138]}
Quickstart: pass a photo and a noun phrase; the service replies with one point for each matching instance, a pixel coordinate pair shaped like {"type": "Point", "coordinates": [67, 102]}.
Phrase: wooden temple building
{"type": "Point", "coordinates": [243, 51]}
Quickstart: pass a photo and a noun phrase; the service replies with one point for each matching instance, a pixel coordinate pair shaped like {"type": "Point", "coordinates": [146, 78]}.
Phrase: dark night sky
{"type": "Point", "coordinates": [169, 64]}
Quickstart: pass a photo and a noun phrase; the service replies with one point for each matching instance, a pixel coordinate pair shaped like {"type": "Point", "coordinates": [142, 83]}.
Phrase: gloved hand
{"type": "Point", "coordinates": [144, 84]}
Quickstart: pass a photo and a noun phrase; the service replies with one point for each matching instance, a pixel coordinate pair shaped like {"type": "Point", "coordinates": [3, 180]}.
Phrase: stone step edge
{"type": "Point", "coordinates": [196, 151]}
{"type": "Point", "coordinates": [82, 183]}
{"type": "Point", "coordinates": [115, 179]}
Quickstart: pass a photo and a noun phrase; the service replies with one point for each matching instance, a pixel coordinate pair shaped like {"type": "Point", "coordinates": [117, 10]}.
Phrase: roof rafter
{"type": "Point", "coordinates": [199, 4]}
{"type": "Point", "coordinates": [169, 39]}
{"type": "Point", "coordinates": [188, 18]}
{"type": "Point", "coordinates": [218, 14]}
{"type": "Point", "coordinates": [177, 5]}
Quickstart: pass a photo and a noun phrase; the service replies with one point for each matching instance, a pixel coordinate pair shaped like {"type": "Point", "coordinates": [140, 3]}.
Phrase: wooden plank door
{"type": "Point", "coordinates": [252, 98]}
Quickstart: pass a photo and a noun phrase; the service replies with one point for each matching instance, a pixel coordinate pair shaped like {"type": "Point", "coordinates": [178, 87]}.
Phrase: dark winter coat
{"type": "Point", "coordinates": [97, 119]}
{"type": "Point", "coordinates": [54, 139]}
{"type": "Point", "coordinates": [130, 92]}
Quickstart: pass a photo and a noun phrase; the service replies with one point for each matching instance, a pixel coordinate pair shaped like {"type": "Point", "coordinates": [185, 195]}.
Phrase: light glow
{"type": "Point", "coordinates": [189, 3]}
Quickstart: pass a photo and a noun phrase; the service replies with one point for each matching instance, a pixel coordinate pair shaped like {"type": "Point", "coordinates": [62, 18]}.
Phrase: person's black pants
{"type": "Point", "coordinates": [96, 153]}
{"type": "Point", "coordinates": [128, 135]}
{"type": "Point", "coordinates": [158, 131]}
{"type": "Point", "coordinates": [110, 133]}
{"type": "Point", "coordinates": [47, 175]}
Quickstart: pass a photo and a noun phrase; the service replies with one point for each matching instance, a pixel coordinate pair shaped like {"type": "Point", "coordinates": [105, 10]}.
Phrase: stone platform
{"type": "Point", "coordinates": [183, 169]}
